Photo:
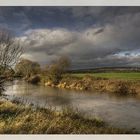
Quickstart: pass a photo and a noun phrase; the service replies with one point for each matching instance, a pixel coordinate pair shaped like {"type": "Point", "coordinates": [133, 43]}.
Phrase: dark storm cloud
{"type": "Point", "coordinates": [90, 36]}
{"type": "Point", "coordinates": [23, 18]}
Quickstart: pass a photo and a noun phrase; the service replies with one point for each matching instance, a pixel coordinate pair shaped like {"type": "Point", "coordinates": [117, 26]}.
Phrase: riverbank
{"type": "Point", "coordinates": [115, 86]}
{"type": "Point", "coordinates": [21, 119]}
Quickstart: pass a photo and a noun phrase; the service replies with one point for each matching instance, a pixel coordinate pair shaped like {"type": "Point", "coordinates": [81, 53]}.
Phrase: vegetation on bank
{"type": "Point", "coordinates": [117, 87]}
{"type": "Point", "coordinates": [56, 75]}
{"type": "Point", "coordinates": [18, 119]}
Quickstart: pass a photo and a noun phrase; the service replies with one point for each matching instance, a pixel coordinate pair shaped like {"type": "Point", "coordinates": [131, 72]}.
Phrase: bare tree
{"type": "Point", "coordinates": [57, 69]}
{"type": "Point", "coordinates": [10, 51]}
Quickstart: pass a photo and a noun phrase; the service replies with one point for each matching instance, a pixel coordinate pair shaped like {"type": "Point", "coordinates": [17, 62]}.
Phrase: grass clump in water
{"type": "Point", "coordinates": [124, 88]}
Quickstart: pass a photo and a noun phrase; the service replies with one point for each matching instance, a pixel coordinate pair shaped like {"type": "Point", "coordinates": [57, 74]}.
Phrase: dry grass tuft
{"type": "Point", "coordinates": [18, 119]}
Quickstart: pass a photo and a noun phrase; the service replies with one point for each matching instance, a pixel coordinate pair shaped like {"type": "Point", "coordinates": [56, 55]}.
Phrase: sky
{"type": "Point", "coordinates": [90, 36]}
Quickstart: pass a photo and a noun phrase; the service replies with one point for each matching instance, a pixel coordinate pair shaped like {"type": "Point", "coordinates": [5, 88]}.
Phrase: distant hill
{"type": "Point", "coordinates": [106, 69]}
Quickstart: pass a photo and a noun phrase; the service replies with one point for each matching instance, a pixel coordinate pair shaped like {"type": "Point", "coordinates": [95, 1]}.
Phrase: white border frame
{"type": "Point", "coordinates": [69, 3]}
{"type": "Point", "coordinates": [70, 137]}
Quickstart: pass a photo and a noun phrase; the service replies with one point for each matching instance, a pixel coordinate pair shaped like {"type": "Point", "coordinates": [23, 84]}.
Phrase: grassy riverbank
{"type": "Point", "coordinates": [118, 86]}
{"type": "Point", "coordinates": [18, 119]}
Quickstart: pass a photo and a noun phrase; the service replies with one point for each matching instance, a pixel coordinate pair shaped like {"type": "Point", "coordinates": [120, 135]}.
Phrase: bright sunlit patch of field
{"type": "Point", "coordinates": [113, 75]}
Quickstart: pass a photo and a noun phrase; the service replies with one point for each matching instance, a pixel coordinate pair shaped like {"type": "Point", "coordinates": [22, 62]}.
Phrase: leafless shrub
{"type": "Point", "coordinates": [10, 51]}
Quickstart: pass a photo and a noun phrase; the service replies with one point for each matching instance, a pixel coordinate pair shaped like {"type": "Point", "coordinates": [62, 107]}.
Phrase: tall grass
{"type": "Point", "coordinates": [18, 119]}
{"type": "Point", "coordinates": [88, 82]}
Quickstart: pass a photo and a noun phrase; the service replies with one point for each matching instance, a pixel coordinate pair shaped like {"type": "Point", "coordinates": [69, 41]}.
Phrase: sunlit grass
{"type": "Point", "coordinates": [113, 75]}
{"type": "Point", "coordinates": [18, 119]}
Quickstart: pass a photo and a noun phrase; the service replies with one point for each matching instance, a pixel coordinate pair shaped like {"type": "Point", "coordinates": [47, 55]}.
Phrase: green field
{"type": "Point", "coordinates": [113, 75]}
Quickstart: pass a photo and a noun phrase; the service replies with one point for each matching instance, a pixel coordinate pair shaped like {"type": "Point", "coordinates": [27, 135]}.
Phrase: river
{"type": "Point", "coordinates": [122, 112]}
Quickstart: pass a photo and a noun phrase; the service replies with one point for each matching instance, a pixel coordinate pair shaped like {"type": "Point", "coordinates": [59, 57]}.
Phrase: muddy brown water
{"type": "Point", "coordinates": [122, 112]}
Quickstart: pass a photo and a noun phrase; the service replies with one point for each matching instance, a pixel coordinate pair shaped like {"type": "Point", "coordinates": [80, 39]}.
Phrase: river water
{"type": "Point", "coordinates": [122, 112]}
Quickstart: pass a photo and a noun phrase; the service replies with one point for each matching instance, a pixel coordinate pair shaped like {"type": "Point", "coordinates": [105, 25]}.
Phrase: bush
{"type": "Point", "coordinates": [34, 79]}
{"type": "Point", "coordinates": [124, 88]}
{"type": "Point", "coordinates": [55, 71]}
